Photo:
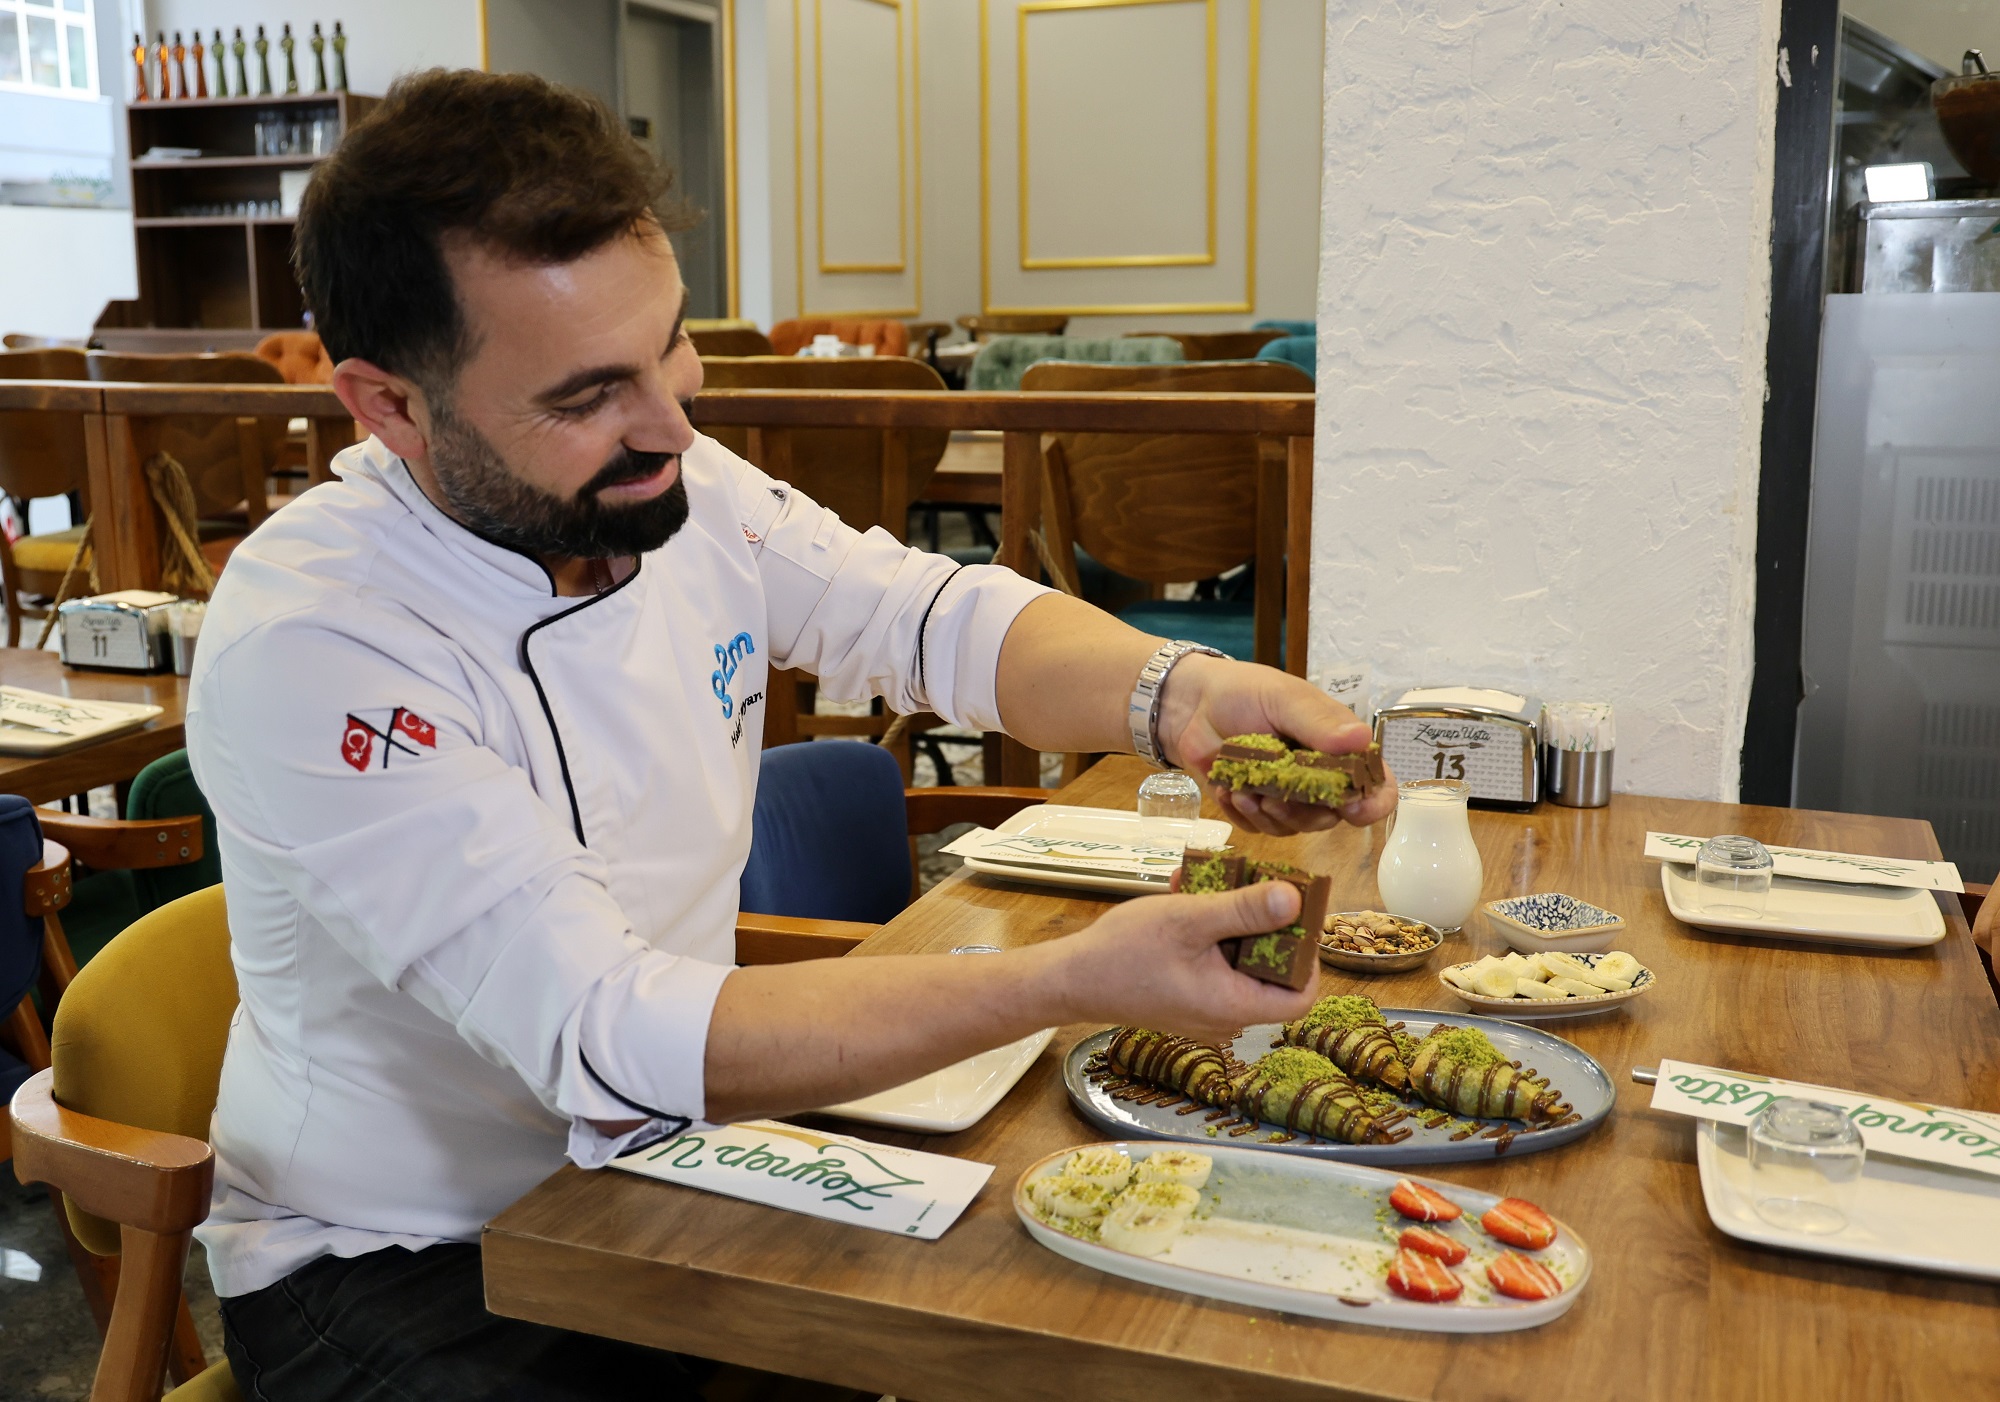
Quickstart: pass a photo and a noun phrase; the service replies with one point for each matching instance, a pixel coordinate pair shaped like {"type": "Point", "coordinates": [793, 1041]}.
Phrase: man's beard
{"type": "Point", "coordinates": [486, 496]}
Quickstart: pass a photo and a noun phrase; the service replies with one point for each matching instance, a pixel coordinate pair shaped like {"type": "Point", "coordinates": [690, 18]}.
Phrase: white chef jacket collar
{"type": "Point", "coordinates": [375, 462]}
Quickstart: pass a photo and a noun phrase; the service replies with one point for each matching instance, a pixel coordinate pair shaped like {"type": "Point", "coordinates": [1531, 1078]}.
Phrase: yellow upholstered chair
{"type": "Point", "coordinates": [119, 1126]}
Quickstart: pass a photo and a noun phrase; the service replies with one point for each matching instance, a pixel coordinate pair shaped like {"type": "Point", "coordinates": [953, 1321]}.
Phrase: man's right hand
{"type": "Point", "coordinates": [1153, 962]}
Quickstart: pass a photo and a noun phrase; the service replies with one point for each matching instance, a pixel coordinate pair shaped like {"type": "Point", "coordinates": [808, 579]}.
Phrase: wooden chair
{"type": "Point", "coordinates": [1015, 324]}
{"type": "Point", "coordinates": [42, 454]}
{"type": "Point", "coordinates": [1970, 900]}
{"type": "Point", "coordinates": [118, 1125]}
{"type": "Point", "coordinates": [21, 340]}
{"type": "Point", "coordinates": [1218, 345]}
{"type": "Point", "coordinates": [229, 460]}
{"type": "Point", "coordinates": [869, 476]}
{"type": "Point", "coordinates": [1171, 508]}
{"type": "Point", "coordinates": [730, 340]}
{"type": "Point", "coordinates": [887, 337]}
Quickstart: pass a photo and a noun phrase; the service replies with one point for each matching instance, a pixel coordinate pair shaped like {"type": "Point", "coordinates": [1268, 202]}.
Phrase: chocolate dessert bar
{"type": "Point", "coordinates": [1285, 956]}
{"type": "Point", "coordinates": [1269, 765]}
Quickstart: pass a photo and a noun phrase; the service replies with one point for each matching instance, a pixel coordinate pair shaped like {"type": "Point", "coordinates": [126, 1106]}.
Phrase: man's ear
{"type": "Point", "coordinates": [386, 405]}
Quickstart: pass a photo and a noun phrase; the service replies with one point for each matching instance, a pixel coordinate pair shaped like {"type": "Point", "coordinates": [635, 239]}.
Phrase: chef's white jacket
{"type": "Point", "coordinates": [481, 844]}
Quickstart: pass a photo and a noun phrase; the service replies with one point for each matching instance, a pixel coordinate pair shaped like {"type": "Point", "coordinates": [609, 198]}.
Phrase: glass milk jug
{"type": "Point", "coordinates": [1430, 869]}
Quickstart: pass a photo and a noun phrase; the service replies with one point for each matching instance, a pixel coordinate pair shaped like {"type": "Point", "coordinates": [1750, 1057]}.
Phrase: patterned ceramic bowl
{"type": "Point", "coordinates": [1552, 921]}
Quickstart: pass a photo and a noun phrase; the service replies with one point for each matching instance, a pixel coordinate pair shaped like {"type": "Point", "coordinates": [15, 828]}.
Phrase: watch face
{"type": "Point", "coordinates": [1493, 757]}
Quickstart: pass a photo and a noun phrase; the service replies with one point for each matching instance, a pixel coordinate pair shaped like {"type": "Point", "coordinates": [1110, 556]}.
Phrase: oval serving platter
{"type": "Point", "coordinates": [1568, 1068]}
{"type": "Point", "coordinates": [1314, 1238]}
{"type": "Point", "coordinates": [1527, 1009]}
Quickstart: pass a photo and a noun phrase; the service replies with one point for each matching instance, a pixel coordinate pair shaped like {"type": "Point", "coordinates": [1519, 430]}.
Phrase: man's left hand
{"type": "Point", "coordinates": [1208, 699]}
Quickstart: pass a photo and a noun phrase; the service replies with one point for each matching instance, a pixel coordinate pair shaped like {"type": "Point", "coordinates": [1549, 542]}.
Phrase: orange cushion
{"type": "Point", "coordinates": [888, 337]}
{"type": "Point", "coordinates": [299, 356]}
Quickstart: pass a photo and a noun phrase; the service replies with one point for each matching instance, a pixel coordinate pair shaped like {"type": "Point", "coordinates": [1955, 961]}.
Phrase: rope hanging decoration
{"type": "Point", "coordinates": [183, 571]}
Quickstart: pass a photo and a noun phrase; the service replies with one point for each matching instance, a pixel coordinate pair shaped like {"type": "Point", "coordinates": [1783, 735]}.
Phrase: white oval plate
{"type": "Point", "coordinates": [1063, 821]}
{"type": "Point", "coordinates": [1315, 1237]}
{"type": "Point", "coordinates": [1882, 917]}
{"type": "Point", "coordinates": [1541, 1010]}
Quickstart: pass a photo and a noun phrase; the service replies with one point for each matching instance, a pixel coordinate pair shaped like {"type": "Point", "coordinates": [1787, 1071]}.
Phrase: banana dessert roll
{"type": "Point", "coordinates": [1303, 1091]}
{"type": "Point", "coordinates": [1348, 1030]}
{"type": "Point", "coordinates": [1458, 1069]}
{"type": "Point", "coordinates": [1199, 1072]}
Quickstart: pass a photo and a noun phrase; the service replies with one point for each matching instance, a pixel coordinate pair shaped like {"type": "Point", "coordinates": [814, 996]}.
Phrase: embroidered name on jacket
{"type": "Point", "coordinates": [729, 656]}
{"type": "Point", "coordinates": [399, 730]}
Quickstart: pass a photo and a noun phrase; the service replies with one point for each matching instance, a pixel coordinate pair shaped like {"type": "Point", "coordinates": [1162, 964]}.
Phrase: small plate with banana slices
{"type": "Point", "coordinates": [1529, 986]}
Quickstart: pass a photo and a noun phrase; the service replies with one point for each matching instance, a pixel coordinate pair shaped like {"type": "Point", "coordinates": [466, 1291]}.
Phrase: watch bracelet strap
{"type": "Point", "coordinates": [1143, 710]}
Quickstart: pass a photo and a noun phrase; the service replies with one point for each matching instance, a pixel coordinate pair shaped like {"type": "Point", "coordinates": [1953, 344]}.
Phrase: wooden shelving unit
{"type": "Point", "coordinates": [214, 281]}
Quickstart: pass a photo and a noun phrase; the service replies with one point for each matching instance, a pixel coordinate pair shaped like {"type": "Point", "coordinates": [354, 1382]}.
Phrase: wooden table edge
{"type": "Point", "coordinates": [929, 1347]}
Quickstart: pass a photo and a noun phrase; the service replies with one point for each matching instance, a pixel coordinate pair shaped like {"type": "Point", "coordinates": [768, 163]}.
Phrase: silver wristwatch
{"type": "Point", "coordinates": [1143, 712]}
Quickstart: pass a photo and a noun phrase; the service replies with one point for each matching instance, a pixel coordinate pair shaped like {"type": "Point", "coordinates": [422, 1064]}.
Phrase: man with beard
{"type": "Point", "coordinates": [473, 723]}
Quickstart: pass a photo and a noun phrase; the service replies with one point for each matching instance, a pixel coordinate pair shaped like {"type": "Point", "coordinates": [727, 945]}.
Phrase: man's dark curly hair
{"type": "Point", "coordinates": [521, 167]}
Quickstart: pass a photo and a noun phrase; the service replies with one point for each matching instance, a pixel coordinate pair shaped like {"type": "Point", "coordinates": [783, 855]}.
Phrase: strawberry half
{"type": "Point", "coordinates": [1519, 1223]}
{"type": "Point", "coordinates": [1416, 1276]}
{"type": "Point", "coordinates": [1431, 1242]}
{"type": "Point", "coordinates": [1422, 1204]}
{"type": "Point", "coordinates": [1523, 1277]}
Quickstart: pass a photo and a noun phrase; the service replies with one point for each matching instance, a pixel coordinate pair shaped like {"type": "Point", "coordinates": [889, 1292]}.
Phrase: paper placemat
{"type": "Point", "coordinates": [1813, 865]}
{"type": "Point", "coordinates": [1902, 1129]}
{"type": "Point", "coordinates": [1145, 861]}
{"type": "Point", "coordinates": [38, 722]}
{"type": "Point", "coordinates": [822, 1175]}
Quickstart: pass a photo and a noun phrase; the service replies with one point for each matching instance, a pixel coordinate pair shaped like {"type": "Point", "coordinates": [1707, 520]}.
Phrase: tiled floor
{"type": "Point", "coordinates": [48, 1344]}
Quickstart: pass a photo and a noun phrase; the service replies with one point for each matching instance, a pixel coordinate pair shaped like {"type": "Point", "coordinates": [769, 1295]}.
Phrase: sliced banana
{"type": "Point", "coordinates": [1174, 1197]}
{"type": "Point", "coordinates": [1529, 988]}
{"type": "Point", "coordinates": [1620, 965]}
{"type": "Point", "coordinates": [1174, 1166]}
{"type": "Point", "coordinates": [1111, 1167]}
{"type": "Point", "coordinates": [1567, 965]}
{"type": "Point", "coordinates": [1139, 1229]}
{"type": "Point", "coordinates": [1576, 987]}
{"type": "Point", "coordinates": [1065, 1195]}
{"type": "Point", "coordinates": [1494, 981]}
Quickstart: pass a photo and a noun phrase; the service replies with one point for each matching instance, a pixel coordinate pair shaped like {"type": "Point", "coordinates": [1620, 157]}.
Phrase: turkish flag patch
{"type": "Point", "coordinates": [396, 730]}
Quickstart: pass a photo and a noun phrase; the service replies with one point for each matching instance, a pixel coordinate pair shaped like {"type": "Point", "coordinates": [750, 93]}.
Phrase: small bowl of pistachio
{"type": "Point", "coordinates": [1372, 942]}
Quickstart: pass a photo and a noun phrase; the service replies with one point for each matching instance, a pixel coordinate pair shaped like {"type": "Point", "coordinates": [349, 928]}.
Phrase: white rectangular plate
{"type": "Point", "coordinates": [1907, 1214]}
{"type": "Point", "coordinates": [1056, 820]}
{"type": "Point", "coordinates": [1312, 1237]}
{"type": "Point", "coordinates": [956, 1098]}
{"type": "Point", "coordinates": [1883, 917]}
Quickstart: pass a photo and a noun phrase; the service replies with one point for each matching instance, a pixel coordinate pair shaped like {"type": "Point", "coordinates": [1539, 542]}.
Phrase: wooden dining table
{"type": "Point", "coordinates": [1674, 1309]}
{"type": "Point", "coordinates": [46, 778]}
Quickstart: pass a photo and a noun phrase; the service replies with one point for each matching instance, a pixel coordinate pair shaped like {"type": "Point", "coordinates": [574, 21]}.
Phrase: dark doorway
{"type": "Point", "coordinates": [673, 98]}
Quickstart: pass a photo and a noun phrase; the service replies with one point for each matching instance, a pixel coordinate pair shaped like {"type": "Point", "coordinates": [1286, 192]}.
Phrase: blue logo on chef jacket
{"type": "Point", "coordinates": [729, 656]}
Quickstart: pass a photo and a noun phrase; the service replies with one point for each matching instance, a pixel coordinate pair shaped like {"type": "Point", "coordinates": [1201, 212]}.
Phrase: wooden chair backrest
{"type": "Point", "coordinates": [207, 445]}
{"type": "Point", "coordinates": [839, 468]}
{"type": "Point", "coordinates": [1163, 508]}
{"type": "Point", "coordinates": [1217, 345]}
{"type": "Point", "coordinates": [1016, 324]}
{"type": "Point", "coordinates": [41, 451]}
{"type": "Point", "coordinates": [730, 340]}
{"type": "Point", "coordinates": [21, 340]}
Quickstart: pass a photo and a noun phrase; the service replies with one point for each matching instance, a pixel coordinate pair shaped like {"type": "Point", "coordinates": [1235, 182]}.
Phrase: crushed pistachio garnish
{"type": "Point", "coordinates": [1341, 1011]}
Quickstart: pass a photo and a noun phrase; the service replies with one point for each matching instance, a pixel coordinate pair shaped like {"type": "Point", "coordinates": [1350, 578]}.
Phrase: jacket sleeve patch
{"type": "Point", "coordinates": [368, 733]}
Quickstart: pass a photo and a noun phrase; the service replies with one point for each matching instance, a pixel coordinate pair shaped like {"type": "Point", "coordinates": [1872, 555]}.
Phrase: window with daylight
{"type": "Point", "coordinates": [48, 46]}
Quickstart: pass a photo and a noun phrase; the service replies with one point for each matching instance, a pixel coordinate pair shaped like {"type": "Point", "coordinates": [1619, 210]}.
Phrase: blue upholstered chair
{"type": "Point", "coordinates": [1302, 351]}
{"type": "Point", "coordinates": [1290, 328]}
{"type": "Point", "coordinates": [20, 954]}
{"type": "Point", "coordinates": [830, 836]}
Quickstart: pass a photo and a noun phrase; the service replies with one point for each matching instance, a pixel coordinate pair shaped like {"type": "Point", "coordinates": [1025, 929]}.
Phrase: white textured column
{"type": "Point", "coordinates": [1544, 277]}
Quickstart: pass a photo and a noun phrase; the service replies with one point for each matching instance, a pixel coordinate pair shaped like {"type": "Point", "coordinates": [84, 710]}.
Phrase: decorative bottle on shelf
{"type": "Point", "coordinates": [220, 52]}
{"type": "Point", "coordinates": [339, 59]}
{"type": "Point", "coordinates": [263, 48]}
{"type": "Point", "coordinates": [318, 43]}
{"type": "Point", "coordinates": [139, 62]}
{"type": "Point", "coordinates": [291, 61]}
{"type": "Point", "coordinates": [163, 65]}
{"type": "Point", "coordinates": [180, 67]}
{"type": "Point", "coordinates": [200, 68]}
{"type": "Point", "coordinates": [236, 49]}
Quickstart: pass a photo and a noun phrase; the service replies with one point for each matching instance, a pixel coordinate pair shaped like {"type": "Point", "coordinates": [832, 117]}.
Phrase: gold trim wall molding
{"type": "Point", "coordinates": [1030, 263]}
{"type": "Point", "coordinates": [909, 165]}
{"type": "Point", "coordinates": [1254, 18]}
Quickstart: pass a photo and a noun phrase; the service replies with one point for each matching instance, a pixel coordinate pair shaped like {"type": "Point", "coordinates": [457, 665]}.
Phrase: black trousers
{"type": "Point", "coordinates": [411, 1326]}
